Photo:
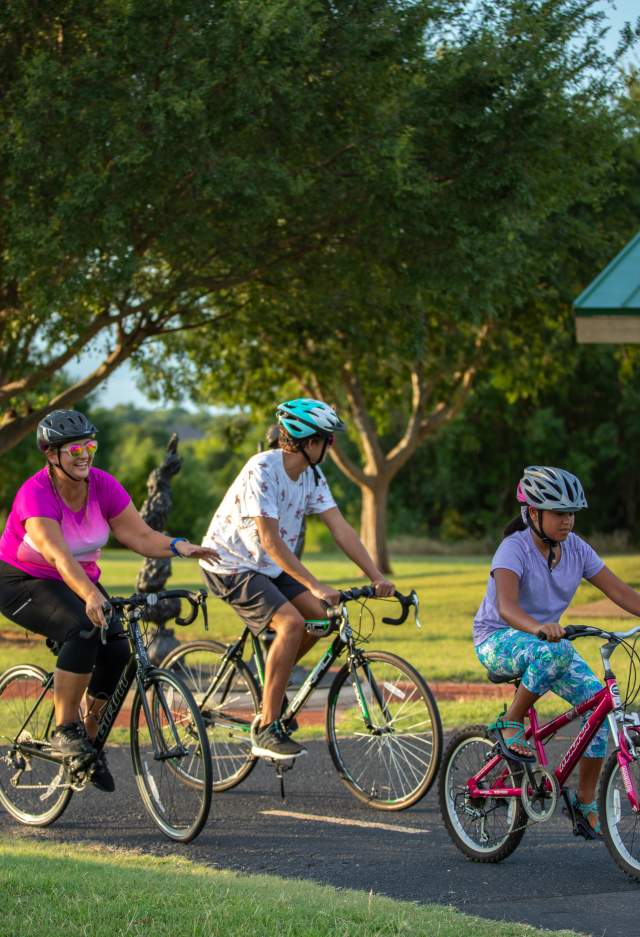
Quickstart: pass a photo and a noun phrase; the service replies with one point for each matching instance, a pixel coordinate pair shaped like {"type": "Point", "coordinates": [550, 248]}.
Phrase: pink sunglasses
{"type": "Point", "coordinates": [75, 449]}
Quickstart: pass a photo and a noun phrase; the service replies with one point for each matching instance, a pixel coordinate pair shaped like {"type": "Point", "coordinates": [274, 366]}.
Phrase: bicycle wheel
{"type": "Point", "coordinates": [388, 758]}
{"type": "Point", "coordinates": [484, 829]}
{"type": "Point", "coordinates": [227, 712]}
{"type": "Point", "coordinates": [168, 748]}
{"type": "Point", "coordinates": [34, 790]}
{"type": "Point", "coordinates": [620, 825]}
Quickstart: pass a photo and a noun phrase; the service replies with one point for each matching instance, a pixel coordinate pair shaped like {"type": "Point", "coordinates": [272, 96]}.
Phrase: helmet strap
{"type": "Point", "coordinates": [59, 465]}
{"type": "Point", "coordinates": [539, 532]}
{"type": "Point", "coordinates": [313, 465]}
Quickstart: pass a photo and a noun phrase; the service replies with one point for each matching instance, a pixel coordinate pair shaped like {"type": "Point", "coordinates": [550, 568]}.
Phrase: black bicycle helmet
{"type": "Point", "coordinates": [62, 426]}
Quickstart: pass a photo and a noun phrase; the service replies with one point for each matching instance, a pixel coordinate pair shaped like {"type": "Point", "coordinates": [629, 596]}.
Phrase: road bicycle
{"type": "Point", "coordinates": [486, 800]}
{"type": "Point", "coordinates": [168, 739]}
{"type": "Point", "coordinates": [382, 723]}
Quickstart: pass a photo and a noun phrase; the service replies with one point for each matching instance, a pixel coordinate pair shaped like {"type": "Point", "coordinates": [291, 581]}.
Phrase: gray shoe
{"type": "Point", "coordinates": [272, 741]}
{"type": "Point", "coordinates": [71, 739]}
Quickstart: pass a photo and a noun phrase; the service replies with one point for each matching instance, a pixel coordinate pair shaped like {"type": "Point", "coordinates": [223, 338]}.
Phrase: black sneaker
{"type": "Point", "coordinates": [71, 739]}
{"type": "Point", "coordinates": [272, 741]}
{"type": "Point", "coordinates": [101, 777]}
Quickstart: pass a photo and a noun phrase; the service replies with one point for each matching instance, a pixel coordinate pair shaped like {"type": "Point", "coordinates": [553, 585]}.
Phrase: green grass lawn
{"type": "Point", "coordinates": [50, 889]}
{"type": "Point", "coordinates": [450, 590]}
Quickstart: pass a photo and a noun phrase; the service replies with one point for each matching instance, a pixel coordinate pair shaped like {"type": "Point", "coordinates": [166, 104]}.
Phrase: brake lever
{"type": "Point", "coordinates": [415, 601]}
{"type": "Point", "coordinates": [205, 614]}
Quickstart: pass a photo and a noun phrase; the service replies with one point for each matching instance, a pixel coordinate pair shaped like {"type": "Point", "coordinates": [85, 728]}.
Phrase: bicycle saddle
{"type": "Point", "coordinates": [503, 678]}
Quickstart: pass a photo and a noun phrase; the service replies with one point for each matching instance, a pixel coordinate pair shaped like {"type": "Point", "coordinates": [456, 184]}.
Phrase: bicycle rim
{"type": "Point", "coordinates": [484, 829]}
{"type": "Point", "coordinates": [388, 759]}
{"type": "Point", "coordinates": [620, 825]}
{"type": "Point", "coordinates": [228, 711]}
{"type": "Point", "coordinates": [166, 753]}
{"type": "Point", "coordinates": [33, 790]}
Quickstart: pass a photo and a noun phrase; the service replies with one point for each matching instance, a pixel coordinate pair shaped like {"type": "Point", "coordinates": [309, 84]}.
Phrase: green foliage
{"type": "Point", "coordinates": [585, 418]}
{"type": "Point", "coordinates": [159, 155]}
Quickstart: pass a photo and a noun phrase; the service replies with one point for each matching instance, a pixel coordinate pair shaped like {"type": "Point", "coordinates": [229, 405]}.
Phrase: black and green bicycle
{"type": "Point", "coordinates": [382, 723]}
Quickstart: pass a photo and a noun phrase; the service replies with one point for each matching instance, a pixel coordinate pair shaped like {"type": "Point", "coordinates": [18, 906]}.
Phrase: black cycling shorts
{"type": "Point", "coordinates": [50, 608]}
{"type": "Point", "coordinates": [255, 597]}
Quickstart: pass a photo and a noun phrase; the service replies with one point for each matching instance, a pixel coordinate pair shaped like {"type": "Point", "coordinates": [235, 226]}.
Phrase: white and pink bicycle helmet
{"type": "Point", "coordinates": [551, 489]}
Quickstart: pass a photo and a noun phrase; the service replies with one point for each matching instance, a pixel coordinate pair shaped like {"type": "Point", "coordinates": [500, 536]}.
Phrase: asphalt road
{"type": "Point", "coordinates": [553, 880]}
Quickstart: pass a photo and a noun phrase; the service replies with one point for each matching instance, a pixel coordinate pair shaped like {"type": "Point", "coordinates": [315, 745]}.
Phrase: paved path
{"type": "Point", "coordinates": [553, 880]}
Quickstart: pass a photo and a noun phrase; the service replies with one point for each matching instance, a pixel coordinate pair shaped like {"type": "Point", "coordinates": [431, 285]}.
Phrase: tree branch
{"type": "Point", "coordinates": [16, 428]}
{"type": "Point", "coordinates": [101, 321]}
{"type": "Point", "coordinates": [422, 425]}
{"type": "Point", "coordinates": [374, 456]}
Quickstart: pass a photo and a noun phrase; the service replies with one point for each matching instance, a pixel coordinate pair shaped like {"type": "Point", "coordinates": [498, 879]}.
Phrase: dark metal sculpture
{"type": "Point", "coordinates": [154, 573]}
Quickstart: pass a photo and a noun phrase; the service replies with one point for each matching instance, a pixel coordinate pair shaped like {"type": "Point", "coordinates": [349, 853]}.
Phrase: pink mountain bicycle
{"type": "Point", "coordinates": [486, 800]}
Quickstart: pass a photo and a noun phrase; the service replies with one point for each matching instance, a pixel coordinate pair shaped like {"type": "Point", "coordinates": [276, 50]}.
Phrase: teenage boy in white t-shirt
{"type": "Point", "coordinates": [255, 530]}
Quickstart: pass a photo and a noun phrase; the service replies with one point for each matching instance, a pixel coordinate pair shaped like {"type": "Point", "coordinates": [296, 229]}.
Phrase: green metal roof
{"type": "Point", "coordinates": [615, 291]}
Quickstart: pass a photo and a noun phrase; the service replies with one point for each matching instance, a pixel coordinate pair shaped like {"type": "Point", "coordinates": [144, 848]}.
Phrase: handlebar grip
{"type": "Point", "coordinates": [570, 632]}
{"type": "Point", "coordinates": [406, 602]}
{"type": "Point", "coordinates": [350, 595]}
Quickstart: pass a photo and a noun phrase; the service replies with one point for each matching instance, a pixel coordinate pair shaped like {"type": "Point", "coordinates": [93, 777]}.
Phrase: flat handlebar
{"type": "Point", "coordinates": [571, 632]}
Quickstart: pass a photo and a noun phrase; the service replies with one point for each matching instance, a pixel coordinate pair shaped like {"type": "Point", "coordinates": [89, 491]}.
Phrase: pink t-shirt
{"type": "Point", "coordinates": [85, 531]}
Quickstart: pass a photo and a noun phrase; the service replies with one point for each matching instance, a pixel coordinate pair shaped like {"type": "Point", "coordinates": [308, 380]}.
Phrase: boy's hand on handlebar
{"type": "Point", "coordinates": [326, 594]}
{"type": "Point", "coordinates": [552, 631]}
{"type": "Point", "coordinates": [383, 587]}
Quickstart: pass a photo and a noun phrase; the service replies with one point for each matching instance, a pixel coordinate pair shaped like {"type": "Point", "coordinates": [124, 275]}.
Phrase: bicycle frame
{"type": "Point", "coordinates": [136, 670]}
{"type": "Point", "coordinates": [344, 639]}
{"type": "Point", "coordinates": [606, 704]}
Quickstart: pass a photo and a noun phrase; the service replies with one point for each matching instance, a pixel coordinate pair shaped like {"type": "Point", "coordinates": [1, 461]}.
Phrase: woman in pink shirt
{"type": "Point", "coordinates": [49, 575]}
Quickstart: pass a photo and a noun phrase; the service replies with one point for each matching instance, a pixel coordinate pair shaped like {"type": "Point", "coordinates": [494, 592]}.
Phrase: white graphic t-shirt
{"type": "Point", "coordinates": [262, 489]}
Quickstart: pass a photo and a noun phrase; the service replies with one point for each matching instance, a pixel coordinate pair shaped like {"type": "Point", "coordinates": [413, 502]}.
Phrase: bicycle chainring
{"type": "Point", "coordinates": [540, 792]}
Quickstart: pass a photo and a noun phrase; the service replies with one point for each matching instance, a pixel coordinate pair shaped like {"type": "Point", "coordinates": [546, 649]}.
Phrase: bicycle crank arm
{"type": "Point", "coordinates": [176, 752]}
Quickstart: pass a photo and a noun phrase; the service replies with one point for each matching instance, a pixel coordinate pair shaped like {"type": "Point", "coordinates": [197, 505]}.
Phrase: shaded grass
{"type": "Point", "coordinates": [52, 889]}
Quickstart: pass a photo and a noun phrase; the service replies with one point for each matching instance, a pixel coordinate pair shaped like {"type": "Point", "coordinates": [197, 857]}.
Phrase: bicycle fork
{"type": "Point", "coordinates": [356, 659]}
{"type": "Point", "coordinates": [178, 750]}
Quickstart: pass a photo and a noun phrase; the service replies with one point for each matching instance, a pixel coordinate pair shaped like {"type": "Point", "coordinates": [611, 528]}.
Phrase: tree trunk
{"type": "Point", "coordinates": [373, 522]}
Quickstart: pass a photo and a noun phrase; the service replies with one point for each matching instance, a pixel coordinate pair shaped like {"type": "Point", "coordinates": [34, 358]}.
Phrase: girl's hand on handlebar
{"type": "Point", "coordinates": [95, 611]}
{"type": "Point", "coordinates": [552, 631]}
{"type": "Point", "coordinates": [383, 587]}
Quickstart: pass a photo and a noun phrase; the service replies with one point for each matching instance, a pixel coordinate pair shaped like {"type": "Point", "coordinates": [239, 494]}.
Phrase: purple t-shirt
{"type": "Point", "coordinates": [544, 595]}
{"type": "Point", "coordinates": [85, 531]}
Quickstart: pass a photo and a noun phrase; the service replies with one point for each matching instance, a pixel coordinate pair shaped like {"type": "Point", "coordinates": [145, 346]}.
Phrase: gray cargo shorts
{"type": "Point", "coordinates": [255, 597]}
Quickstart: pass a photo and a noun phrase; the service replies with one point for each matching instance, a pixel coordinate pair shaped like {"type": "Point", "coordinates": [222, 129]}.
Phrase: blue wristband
{"type": "Point", "coordinates": [172, 545]}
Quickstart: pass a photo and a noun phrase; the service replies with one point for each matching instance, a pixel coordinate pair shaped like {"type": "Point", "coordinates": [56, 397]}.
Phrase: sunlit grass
{"type": "Point", "coordinates": [449, 588]}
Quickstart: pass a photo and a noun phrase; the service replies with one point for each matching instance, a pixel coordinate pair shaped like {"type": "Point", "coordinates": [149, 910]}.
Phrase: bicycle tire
{"type": "Point", "coordinates": [20, 687]}
{"type": "Point", "coordinates": [227, 718]}
{"type": "Point", "coordinates": [392, 763]}
{"type": "Point", "coordinates": [180, 809]}
{"type": "Point", "coordinates": [620, 825]}
{"type": "Point", "coordinates": [465, 820]}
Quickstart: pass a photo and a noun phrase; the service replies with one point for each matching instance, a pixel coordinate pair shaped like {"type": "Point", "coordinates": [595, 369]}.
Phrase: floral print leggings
{"type": "Point", "coordinates": [545, 666]}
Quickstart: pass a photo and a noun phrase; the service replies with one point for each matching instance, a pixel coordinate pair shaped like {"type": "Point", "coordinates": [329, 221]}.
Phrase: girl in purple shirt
{"type": "Point", "coordinates": [534, 576]}
{"type": "Point", "coordinates": [49, 575]}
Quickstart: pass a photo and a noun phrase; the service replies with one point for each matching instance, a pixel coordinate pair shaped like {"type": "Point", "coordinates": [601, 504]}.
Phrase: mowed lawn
{"type": "Point", "coordinates": [449, 588]}
{"type": "Point", "coordinates": [53, 888]}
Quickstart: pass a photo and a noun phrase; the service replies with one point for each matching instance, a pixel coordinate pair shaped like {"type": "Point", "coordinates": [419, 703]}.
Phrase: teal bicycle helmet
{"type": "Point", "coordinates": [305, 417]}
